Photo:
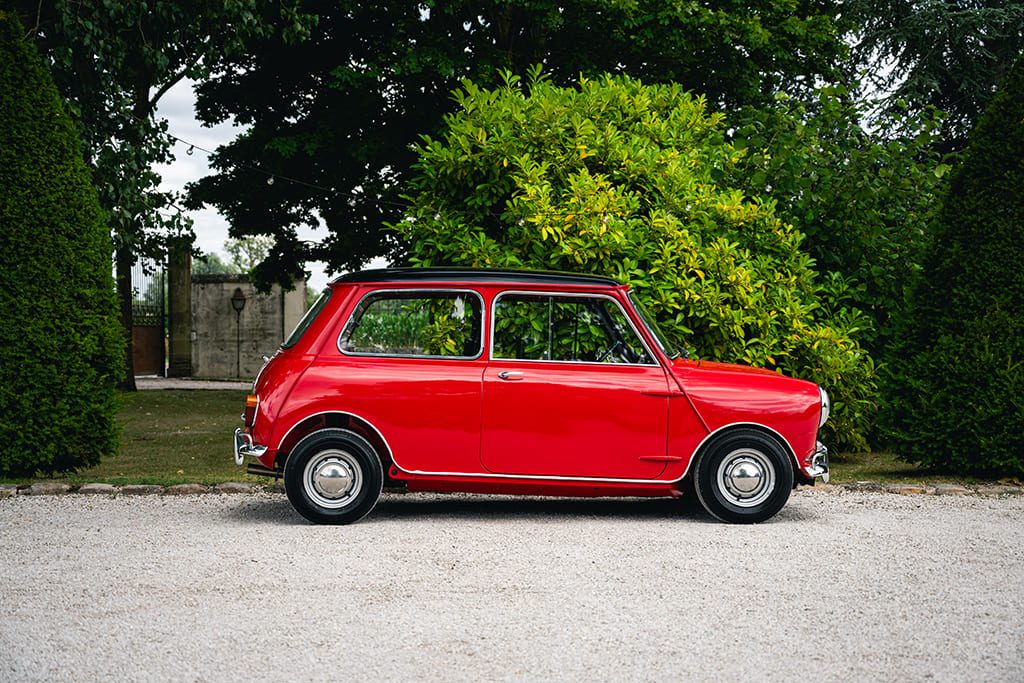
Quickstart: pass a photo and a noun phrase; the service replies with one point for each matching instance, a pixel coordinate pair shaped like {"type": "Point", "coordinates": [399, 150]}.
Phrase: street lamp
{"type": "Point", "coordinates": [238, 303]}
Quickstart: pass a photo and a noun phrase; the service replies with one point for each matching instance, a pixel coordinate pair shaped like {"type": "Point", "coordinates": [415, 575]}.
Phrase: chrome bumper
{"type": "Point", "coordinates": [819, 463]}
{"type": "Point", "coordinates": [244, 446]}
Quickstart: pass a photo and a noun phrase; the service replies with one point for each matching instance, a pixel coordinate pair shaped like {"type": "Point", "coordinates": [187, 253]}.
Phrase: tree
{"type": "Point", "coordinates": [248, 252]}
{"type": "Point", "coordinates": [626, 180]}
{"type": "Point", "coordinates": [113, 61]}
{"type": "Point", "coordinates": [955, 399]}
{"type": "Point", "coordinates": [340, 111]}
{"type": "Point", "coordinates": [212, 264]}
{"type": "Point", "coordinates": [946, 54]}
{"type": "Point", "coordinates": [864, 200]}
{"type": "Point", "coordinates": [60, 347]}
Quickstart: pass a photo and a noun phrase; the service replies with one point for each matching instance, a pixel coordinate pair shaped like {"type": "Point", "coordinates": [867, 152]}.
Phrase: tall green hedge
{"type": "Point", "coordinates": [60, 346]}
{"type": "Point", "coordinates": [957, 401]}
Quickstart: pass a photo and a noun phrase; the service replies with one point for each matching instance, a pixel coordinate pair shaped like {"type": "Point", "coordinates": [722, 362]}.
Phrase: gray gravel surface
{"type": "Point", "coordinates": [839, 586]}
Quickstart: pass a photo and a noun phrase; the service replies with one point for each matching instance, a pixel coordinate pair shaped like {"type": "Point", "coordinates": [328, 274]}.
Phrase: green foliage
{"type": "Point", "coordinates": [248, 252]}
{"type": "Point", "coordinates": [956, 398]}
{"type": "Point", "coordinates": [60, 347]}
{"type": "Point", "coordinates": [113, 61]}
{"type": "Point", "coordinates": [341, 110]}
{"type": "Point", "coordinates": [946, 54]}
{"type": "Point", "coordinates": [626, 180]}
{"type": "Point", "coordinates": [863, 201]}
{"type": "Point", "coordinates": [212, 264]}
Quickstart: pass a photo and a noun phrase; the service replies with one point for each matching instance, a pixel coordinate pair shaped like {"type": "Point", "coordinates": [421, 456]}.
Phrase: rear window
{"type": "Point", "coordinates": [436, 324]}
{"type": "Point", "coordinates": [307, 319]}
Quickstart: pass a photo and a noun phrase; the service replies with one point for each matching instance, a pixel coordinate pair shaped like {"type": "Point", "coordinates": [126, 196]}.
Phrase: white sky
{"type": "Point", "coordinates": [178, 107]}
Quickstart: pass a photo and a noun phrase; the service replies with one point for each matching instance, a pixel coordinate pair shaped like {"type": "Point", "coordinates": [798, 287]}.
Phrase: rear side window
{"type": "Point", "coordinates": [307, 319]}
{"type": "Point", "coordinates": [436, 324]}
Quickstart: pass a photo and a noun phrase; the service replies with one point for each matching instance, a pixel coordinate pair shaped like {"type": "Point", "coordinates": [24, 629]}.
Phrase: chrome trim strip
{"type": "Point", "coordinates": [575, 295]}
{"type": "Point", "coordinates": [425, 290]}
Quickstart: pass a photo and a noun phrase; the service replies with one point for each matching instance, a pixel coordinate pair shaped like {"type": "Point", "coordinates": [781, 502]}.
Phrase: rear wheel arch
{"type": "Point", "coordinates": [334, 420]}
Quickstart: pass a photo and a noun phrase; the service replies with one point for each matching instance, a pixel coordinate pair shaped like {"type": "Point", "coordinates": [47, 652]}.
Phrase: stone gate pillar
{"type": "Point", "coordinates": [179, 295]}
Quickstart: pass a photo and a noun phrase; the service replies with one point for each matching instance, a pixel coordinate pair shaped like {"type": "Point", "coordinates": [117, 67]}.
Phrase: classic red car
{"type": "Point", "coordinates": [517, 382]}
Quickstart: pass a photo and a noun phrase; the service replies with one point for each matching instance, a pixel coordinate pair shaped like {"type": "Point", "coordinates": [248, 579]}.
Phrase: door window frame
{"type": "Point", "coordinates": [654, 362]}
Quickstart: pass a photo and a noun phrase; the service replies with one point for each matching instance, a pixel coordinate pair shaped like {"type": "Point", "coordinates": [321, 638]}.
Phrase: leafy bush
{"type": "Point", "coordinates": [626, 180]}
{"type": "Point", "coordinates": [60, 345]}
{"type": "Point", "coordinates": [957, 397]}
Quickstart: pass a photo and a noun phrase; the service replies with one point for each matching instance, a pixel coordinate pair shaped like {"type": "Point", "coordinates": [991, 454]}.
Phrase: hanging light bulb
{"type": "Point", "coordinates": [191, 148]}
{"type": "Point", "coordinates": [270, 180]}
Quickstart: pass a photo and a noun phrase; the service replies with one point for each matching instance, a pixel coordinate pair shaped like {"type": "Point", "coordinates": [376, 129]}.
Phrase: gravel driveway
{"type": "Point", "coordinates": [839, 586]}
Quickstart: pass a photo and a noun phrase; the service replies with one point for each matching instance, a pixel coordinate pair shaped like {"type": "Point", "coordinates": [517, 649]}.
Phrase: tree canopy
{"type": "Point", "coordinates": [945, 54]}
{"type": "Point", "coordinates": [113, 62]}
{"type": "Point", "coordinates": [340, 111]}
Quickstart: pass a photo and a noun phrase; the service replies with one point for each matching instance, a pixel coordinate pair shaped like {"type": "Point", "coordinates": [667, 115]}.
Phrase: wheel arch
{"type": "Point", "coordinates": [713, 437]}
{"type": "Point", "coordinates": [331, 420]}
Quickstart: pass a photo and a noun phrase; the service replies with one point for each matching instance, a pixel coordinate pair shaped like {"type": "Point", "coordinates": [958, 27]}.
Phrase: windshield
{"type": "Point", "coordinates": [307, 320]}
{"type": "Point", "coordinates": [652, 326]}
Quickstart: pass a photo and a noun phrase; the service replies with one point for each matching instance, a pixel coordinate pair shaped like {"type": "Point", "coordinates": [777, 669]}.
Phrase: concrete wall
{"type": "Point", "coordinates": [264, 322]}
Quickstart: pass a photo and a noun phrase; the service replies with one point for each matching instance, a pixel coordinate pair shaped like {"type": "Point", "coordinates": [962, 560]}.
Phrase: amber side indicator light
{"type": "Point", "coordinates": [252, 402]}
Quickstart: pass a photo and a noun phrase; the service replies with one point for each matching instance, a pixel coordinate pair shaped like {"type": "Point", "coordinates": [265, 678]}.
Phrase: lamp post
{"type": "Point", "coordinates": [238, 303]}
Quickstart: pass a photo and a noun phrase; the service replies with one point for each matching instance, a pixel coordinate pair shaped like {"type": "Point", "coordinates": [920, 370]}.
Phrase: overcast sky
{"type": "Point", "coordinates": [178, 107]}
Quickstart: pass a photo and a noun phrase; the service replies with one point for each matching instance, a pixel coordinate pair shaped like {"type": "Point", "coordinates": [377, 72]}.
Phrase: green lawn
{"type": "Point", "coordinates": [172, 437]}
{"type": "Point", "coordinates": [179, 437]}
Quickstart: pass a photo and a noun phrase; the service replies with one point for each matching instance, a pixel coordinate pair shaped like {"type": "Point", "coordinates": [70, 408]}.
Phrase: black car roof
{"type": "Point", "coordinates": [474, 275]}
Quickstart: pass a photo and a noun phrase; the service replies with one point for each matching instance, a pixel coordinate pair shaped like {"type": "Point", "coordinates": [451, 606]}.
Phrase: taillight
{"type": "Point", "coordinates": [252, 404]}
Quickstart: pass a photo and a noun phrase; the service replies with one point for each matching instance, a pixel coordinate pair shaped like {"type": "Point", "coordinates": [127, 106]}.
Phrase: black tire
{"type": "Point", "coordinates": [333, 476]}
{"type": "Point", "coordinates": [744, 477]}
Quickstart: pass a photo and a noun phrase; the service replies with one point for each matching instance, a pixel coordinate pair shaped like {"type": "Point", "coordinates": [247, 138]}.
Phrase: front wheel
{"type": "Point", "coordinates": [744, 477]}
{"type": "Point", "coordinates": [333, 476]}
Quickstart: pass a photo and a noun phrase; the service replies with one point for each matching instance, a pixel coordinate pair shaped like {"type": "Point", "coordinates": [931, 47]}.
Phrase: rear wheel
{"type": "Point", "coordinates": [333, 476]}
{"type": "Point", "coordinates": [744, 477]}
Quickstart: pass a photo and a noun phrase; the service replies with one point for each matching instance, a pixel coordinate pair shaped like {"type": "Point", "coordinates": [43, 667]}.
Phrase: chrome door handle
{"type": "Point", "coordinates": [510, 375]}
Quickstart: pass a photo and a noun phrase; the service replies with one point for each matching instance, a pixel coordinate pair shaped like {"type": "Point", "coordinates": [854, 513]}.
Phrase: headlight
{"type": "Point", "coordinates": [826, 407]}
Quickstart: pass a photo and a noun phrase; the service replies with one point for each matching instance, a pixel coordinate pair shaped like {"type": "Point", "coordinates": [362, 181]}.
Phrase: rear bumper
{"type": "Point", "coordinates": [819, 464]}
{"type": "Point", "coordinates": [244, 446]}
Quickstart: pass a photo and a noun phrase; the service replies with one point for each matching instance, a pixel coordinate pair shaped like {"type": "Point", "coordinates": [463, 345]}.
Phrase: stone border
{"type": "Point", "coordinates": [234, 487]}
{"type": "Point", "coordinates": [57, 489]}
{"type": "Point", "coordinates": [986, 490]}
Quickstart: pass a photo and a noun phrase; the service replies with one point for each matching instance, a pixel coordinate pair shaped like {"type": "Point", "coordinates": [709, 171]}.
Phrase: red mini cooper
{"type": "Point", "coordinates": [517, 382]}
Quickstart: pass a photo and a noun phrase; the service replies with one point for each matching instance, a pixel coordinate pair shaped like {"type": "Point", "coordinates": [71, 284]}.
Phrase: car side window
{"type": "Point", "coordinates": [565, 328]}
{"type": "Point", "coordinates": [443, 324]}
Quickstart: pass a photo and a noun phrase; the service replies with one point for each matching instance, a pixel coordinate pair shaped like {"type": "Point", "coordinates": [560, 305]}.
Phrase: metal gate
{"type": "Point", "coordinates": [149, 317]}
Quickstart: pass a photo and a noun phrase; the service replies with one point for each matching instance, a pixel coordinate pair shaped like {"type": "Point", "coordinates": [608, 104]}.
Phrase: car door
{"type": "Point", "coordinates": [571, 390]}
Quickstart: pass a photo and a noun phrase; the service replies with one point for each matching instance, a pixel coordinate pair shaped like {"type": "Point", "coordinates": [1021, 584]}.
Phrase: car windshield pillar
{"type": "Point", "coordinates": [652, 326]}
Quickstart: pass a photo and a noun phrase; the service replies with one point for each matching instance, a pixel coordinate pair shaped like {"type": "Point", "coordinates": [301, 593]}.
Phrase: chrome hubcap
{"type": "Point", "coordinates": [746, 477]}
{"type": "Point", "coordinates": [333, 478]}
